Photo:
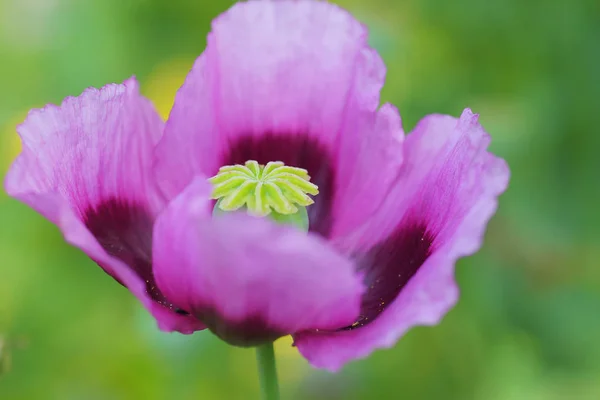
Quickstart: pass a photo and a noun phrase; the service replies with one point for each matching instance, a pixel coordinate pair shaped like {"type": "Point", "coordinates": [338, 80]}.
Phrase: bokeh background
{"type": "Point", "coordinates": [528, 322]}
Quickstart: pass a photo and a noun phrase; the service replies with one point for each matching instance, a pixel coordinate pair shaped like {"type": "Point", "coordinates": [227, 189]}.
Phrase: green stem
{"type": "Point", "coordinates": [267, 373]}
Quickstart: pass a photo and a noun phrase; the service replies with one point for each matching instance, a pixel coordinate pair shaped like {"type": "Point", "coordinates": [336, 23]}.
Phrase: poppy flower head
{"type": "Point", "coordinates": [279, 117]}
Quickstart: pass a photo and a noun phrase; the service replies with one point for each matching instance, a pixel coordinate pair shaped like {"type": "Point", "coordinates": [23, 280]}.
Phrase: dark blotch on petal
{"type": "Point", "coordinates": [389, 266]}
{"type": "Point", "coordinates": [124, 230]}
{"type": "Point", "coordinates": [299, 151]}
{"type": "Point", "coordinates": [252, 331]}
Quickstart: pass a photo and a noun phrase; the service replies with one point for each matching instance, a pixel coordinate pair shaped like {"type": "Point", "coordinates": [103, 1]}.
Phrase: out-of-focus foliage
{"type": "Point", "coordinates": [528, 322]}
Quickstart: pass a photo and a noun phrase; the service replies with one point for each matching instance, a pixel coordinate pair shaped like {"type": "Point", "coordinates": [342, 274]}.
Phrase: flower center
{"type": "Point", "coordinates": [275, 189]}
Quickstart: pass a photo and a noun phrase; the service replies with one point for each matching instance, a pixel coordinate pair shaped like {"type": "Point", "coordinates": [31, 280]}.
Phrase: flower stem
{"type": "Point", "coordinates": [267, 372]}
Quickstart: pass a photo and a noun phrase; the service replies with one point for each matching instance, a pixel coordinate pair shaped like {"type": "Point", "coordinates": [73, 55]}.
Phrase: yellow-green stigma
{"type": "Point", "coordinates": [274, 188]}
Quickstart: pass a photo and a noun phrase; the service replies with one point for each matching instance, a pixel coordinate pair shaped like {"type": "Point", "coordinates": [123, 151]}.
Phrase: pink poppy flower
{"type": "Point", "coordinates": [283, 81]}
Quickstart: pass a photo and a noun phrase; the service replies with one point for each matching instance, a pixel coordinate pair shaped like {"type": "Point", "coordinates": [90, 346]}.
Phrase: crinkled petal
{"type": "Point", "coordinates": [250, 280]}
{"type": "Point", "coordinates": [446, 192]}
{"type": "Point", "coordinates": [86, 166]}
{"type": "Point", "coordinates": [290, 81]}
{"type": "Point", "coordinates": [370, 156]}
{"type": "Point", "coordinates": [90, 148]}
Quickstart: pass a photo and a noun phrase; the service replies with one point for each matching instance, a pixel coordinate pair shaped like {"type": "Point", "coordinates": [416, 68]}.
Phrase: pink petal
{"type": "Point", "coordinates": [85, 166]}
{"type": "Point", "coordinates": [291, 81]}
{"type": "Point", "coordinates": [371, 154]}
{"type": "Point", "coordinates": [446, 192]}
{"type": "Point", "coordinates": [249, 279]}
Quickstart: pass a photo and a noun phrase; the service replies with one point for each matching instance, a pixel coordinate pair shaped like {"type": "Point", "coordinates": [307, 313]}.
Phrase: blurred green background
{"type": "Point", "coordinates": [528, 322]}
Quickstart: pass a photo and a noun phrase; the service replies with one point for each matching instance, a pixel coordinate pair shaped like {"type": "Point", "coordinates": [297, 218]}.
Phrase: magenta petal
{"type": "Point", "coordinates": [249, 279]}
{"type": "Point", "coordinates": [291, 81]}
{"type": "Point", "coordinates": [370, 157]}
{"type": "Point", "coordinates": [90, 148]}
{"type": "Point", "coordinates": [85, 166]}
{"type": "Point", "coordinates": [270, 67]}
{"type": "Point", "coordinates": [446, 192]}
